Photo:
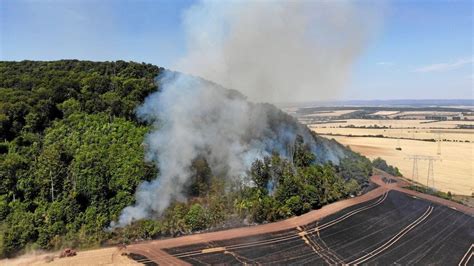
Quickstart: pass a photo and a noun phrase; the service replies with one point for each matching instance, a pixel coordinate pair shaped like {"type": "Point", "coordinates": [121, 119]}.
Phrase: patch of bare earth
{"type": "Point", "coordinates": [102, 256]}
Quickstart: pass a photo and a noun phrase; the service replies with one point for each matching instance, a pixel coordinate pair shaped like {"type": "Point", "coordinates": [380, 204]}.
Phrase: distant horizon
{"type": "Point", "coordinates": [394, 100]}
{"type": "Point", "coordinates": [384, 103]}
{"type": "Point", "coordinates": [278, 103]}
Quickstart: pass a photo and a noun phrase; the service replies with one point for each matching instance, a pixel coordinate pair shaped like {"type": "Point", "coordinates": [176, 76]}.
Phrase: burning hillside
{"type": "Point", "coordinates": [194, 118]}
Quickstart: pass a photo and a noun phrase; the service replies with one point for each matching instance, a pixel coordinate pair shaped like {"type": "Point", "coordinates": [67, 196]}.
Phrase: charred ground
{"type": "Point", "coordinates": [439, 236]}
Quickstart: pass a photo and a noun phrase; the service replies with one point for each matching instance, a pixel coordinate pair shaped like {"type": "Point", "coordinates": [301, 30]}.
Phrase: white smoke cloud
{"type": "Point", "coordinates": [277, 51]}
{"type": "Point", "coordinates": [268, 50]}
{"type": "Point", "coordinates": [193, 118]}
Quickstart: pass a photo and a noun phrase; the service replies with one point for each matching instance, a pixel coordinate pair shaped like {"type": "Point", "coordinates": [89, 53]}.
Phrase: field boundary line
{"type": "Point", "coordinates": [234, 233]}
{"type": "Point", "coordinates": [285, 238]}
{"type": "Point", "coordinates": [470, 252]}
{"type": "Point", "coordinates": [394, 239]}
{"type": "Point", "coordinates": [349, 214]}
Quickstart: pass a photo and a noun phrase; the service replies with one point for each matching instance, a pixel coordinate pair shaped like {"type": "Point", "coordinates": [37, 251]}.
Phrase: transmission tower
{"type": "Point", "coordinates": [414, 174]}
{"type": "Point", "coordinates": [431, 159]}
{"type": "Point", "coordinates": [430, 178]}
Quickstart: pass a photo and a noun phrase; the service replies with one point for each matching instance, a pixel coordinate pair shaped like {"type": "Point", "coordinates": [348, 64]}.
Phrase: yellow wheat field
{"type": "Point", "coordinates": [413, 123]}
{"type": "Point", "coordinates": [457, 135]}
{"type": "Point", "coordinates": [454, 173]}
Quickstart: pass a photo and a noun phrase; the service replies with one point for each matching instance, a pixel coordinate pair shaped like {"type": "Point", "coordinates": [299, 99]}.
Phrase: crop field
{"type": "Point", "coordinates": [452, 135]}
{"type": "Point", "coordinates": [406, 124]}
{"type": "Point", "coordinates": [454, 173]}
{"type": "Point", "coordinates": [393, 228]}
{"type": "Point", "coordinates": [331, 113]}
{"type": "Point", "coordinates": [386, 112]}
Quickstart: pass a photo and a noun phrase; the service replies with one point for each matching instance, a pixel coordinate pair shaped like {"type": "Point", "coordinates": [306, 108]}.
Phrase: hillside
{"type": "Point", "coordinates": [72, 157]}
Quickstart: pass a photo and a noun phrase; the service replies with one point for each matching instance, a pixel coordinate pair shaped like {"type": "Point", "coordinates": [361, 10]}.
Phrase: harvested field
{"type": "Point", "coordinates": [394, 228]}
{"type": "Point", "coordinates": [330, 113]}
{"type": "Point", "coordinates": [413, 123]}
{"type": "Point", "coordinates": [385, 113]}
{"type": "Point", "coordinates": [455, 173]}
{"type": "Point", "coordinates": [456, 135]}
{"type": "Point", "coordinates": [387, 214]}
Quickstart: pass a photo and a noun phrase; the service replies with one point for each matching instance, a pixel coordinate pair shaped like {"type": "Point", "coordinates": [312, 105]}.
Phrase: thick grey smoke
{"type": "Point", "coordinates": [192, 117]}
{"type": "Point", "coordinates": [277, 51]}
{"type": "Point", "coordinates": [271, 51]}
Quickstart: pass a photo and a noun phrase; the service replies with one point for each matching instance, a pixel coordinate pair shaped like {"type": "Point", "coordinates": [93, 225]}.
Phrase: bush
{"type": "Point", "coordinates": [295, 204]}
{"type": "Point", "coordinates": [382, 165]}
{"type": "Point", "coordinates": [196, 218]}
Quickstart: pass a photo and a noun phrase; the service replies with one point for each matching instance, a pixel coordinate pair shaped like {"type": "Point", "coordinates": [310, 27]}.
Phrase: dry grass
{"type": "Point", "coordinates": [454, 173]}
{"type": "Point", "coordinates": [103, 256]}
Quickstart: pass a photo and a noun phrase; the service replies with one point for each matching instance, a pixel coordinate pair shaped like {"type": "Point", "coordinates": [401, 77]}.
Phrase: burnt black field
{"type": "Point", "coordinates": [401, 229]}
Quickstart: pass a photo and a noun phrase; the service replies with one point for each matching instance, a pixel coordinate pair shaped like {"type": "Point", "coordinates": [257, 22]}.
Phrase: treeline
{"type": "Point", "coordinates": [382, 165]}
{"type": "Point", "coordinates": [71, 157]}
{"type": "Point", "coordinates": [285, 188]}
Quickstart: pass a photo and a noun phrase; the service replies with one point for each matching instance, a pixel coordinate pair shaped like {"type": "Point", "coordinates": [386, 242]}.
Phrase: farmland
{"type": "Point", "coordinates": [378, 131]}
{"type": "Point", "coordinates": [454, 173]}
{"type": "Point", "coordinates": [423, 233]}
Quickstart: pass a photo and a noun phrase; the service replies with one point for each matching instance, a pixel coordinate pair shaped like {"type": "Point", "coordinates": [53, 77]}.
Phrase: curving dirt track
{"type": "Point", "coordinates": [310, 238]}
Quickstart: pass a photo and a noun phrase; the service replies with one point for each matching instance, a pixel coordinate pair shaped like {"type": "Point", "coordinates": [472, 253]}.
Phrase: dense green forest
{"type": "Point", "coordinates": [71, 158]}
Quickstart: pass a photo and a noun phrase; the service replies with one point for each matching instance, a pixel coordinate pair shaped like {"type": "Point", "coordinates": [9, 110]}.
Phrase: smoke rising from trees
{"type": "Point", "coordinates": [269, 51]}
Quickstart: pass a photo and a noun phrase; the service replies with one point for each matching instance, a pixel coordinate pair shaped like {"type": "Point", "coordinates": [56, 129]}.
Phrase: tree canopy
{"type": "Point", "coordinates": [71, 158]}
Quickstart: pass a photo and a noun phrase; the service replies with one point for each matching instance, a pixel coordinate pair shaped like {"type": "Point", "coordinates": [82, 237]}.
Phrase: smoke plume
{"type": "Point", "coordinates": [277, 51]}
{"type": "Point", "coordinates": [269, 51]}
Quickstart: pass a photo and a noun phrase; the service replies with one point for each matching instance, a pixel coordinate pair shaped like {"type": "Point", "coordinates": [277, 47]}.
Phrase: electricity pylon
{"type": "Point", "coordinates": [430, 178]}
{"type": "Point", "coordinates": [431, 159]}
{"type": "Point", "coordinates": [414, 173]}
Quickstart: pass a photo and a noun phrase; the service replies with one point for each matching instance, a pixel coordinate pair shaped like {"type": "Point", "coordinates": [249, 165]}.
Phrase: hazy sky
{"type": "Point", "coordinates": [422, 50]}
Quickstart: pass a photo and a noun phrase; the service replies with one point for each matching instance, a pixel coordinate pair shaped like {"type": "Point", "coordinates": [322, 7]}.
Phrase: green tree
{"type": "Point", "coordinates": [196, 218]}
{"type": "Point", "coordinates": [260, 174]}
{"type": "Point", "coordinates": [303, 156]}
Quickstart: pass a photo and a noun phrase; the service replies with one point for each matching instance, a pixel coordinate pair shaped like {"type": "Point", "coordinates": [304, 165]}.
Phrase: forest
{"type": "Point", "coordinates": [72, 156]}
